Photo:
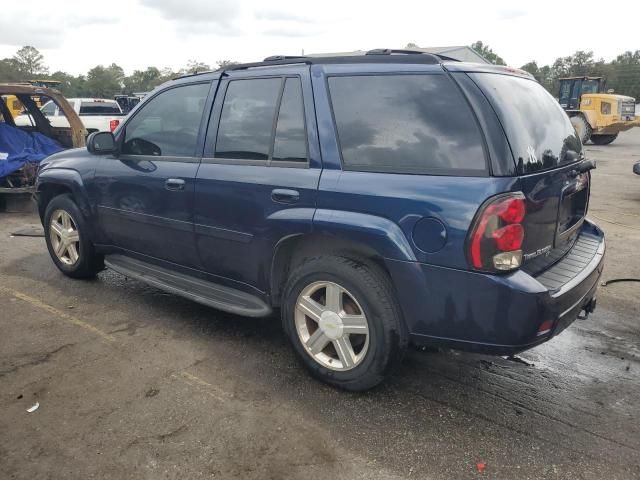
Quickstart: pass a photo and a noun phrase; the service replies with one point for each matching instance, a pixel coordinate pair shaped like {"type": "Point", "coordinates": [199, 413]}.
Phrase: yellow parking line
{"type": "Point", "coordinates": [58, 313]}
{"type": "Point", "coordinates": [183, 376]}
{"type": "Point", "coordinates": [208, 388]}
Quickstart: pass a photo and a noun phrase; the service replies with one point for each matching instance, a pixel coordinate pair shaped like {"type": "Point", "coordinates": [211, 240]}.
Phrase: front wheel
{"type": "Point", "coordinates": [343, 321]}
{"type": "Point", "coordinates": [603, 139]}
{"type": "Point", "coordinates": [582, 128]}
{"type": "Point", "coordinates": [68, 242]}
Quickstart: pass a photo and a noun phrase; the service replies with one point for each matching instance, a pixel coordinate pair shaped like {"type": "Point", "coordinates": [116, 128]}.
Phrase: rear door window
{"type": "Point", "coordinates": [539, 131]}
{"type": "Point", "coordinates": [290, 141]}
{"type": "Point", "coordinates": [246, 123]}
{"type": "Point", "coordinates": [406, 123]}
{"type": "Point", "coordinates": [262, 120]}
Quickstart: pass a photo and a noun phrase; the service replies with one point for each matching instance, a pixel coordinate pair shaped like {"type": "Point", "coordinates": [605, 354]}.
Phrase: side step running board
{"type": "Point", "coordinates": [198, 290]}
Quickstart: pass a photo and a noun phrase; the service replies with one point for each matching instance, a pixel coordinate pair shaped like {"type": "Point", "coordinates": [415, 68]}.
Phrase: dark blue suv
{"type": "Point", "coordinates": [376, 201]}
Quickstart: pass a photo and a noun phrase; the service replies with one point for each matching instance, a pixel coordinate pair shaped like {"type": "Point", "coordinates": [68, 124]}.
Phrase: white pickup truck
{"type": "Point", "coordinates": [97, 114]}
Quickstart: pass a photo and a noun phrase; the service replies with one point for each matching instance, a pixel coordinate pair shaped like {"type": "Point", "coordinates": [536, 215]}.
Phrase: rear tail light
{"type": "Point", "coordinates": [113, 124]}
{"type": "Point", "coordinates": [495, 242]}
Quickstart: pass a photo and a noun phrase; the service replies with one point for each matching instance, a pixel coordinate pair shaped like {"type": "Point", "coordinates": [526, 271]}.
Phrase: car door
{"type": "Point", "coordinates": [259, 174]}
{"type": "Point", "coordinates": [144, 195]}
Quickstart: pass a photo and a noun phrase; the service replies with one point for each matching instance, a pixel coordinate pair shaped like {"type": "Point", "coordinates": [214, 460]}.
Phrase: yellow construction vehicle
{"type": "Point", "coordinates": [15, 106]}
{"type": "Point", "coordinates": [595, 115]}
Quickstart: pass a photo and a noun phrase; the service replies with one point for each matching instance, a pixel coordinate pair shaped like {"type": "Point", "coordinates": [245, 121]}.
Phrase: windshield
{"type": "Point", "coordinates": [590, 86]}
{"type": "Point", "coordinates": [539, 131]}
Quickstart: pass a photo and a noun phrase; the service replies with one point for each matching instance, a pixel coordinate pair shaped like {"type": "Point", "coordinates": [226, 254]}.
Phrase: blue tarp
{"type": "Point", "coordinates": [18, 147]}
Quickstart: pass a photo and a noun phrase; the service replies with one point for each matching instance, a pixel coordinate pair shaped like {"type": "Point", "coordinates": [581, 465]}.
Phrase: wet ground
{"type": "Point", "coordinates": [135, 383]}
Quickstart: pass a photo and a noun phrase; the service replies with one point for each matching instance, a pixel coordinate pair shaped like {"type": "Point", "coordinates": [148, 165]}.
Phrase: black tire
{"type": "Point", "coordinates": [372, 289]}
{"type": "Point", "coordinates": [582, 127]}
{"type": "Point", "coordinates": [603, 139]}
{"type": "Point", "coordinates": [89, 263]}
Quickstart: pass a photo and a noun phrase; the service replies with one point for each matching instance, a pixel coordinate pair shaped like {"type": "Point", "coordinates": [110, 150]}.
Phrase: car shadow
{"type": "Point", "coordinates": [438, 408]}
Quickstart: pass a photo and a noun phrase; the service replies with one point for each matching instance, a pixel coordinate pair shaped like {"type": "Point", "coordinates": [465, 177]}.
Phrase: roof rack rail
{"type": "Point", "coordinates": [391, 51]}
{"type": "Point", "coordinates": [380, 55]}
{"type": "Point", "coordinates": [271, 61]}
{"type": "Point", "coordinates": [275, 58]}
{"type": "Point", "coordinates": [186, 75]}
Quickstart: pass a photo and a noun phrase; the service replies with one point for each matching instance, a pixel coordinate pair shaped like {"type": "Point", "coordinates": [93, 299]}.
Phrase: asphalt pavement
{"type": "Point", "coordinates": [131, 382]}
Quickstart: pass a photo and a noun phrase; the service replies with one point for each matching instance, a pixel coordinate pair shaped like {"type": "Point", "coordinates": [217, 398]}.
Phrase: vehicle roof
{"type": "Point", "coordinates": [378, 56]}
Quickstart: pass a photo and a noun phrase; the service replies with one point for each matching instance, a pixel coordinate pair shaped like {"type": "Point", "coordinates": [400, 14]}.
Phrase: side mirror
{"type": "Point", "coordinates": [636, 168]}
{"type": "Point", "coordinates": [101, 143]}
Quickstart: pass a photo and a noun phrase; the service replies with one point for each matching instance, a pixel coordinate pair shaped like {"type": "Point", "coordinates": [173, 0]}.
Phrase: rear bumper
{"type": "Point", "coordinates": [499, 314]}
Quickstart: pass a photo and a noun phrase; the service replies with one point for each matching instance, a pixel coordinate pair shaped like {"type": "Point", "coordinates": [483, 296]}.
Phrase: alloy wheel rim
{"type": "Point", "coordinates": [332, 326]}
{"type": "Point", "coordinates": [65, 238]}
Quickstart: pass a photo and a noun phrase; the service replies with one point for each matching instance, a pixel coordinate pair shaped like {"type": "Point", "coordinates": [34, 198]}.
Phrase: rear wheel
{"type": "Point", "coordinates": [68, 242]}
{"type": "Point", "coordinates": [603, 139]}
{"type": "Point", "coordinates": [582, 127]}
{"type": "Point", "coordinates": [343, 321]}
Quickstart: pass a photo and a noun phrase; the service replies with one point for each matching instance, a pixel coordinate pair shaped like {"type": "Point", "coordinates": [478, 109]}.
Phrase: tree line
{"type": "Point", "coordinates": [101, 81]}
{"type": "Point", "coordinates": [622, 74]}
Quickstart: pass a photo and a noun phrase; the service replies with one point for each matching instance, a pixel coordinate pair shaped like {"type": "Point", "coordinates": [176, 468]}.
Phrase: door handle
{"type": "Point", "coordinates": [174, 184]}
{"type": "Point", "coordinates": [283, 195]}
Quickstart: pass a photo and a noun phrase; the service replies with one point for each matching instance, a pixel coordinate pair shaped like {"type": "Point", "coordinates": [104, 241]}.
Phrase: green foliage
{"type": "Point", "coordinates": [622, 74]}
{"type": "Point", "coordinates": [226, 63]}
{"type": "Point", "coordinates": [193, 66]}
{"type": "Point", "coordinates": [487, 53]}
{"type": "Point", "coordinates": [100, 81]}
{"type": "Point", "coordinates": [105, 82]}
{"type": "Point", "coordinates": [30, 62]}
{"type": "Point", "coordinates": [143, 80]}
{"type": "Point", "coordinates": [71, 87]}
{"type": "Point", "coordinates": [10, 71]}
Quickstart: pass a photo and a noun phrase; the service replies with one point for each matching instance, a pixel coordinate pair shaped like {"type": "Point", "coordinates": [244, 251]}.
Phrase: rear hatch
{"type": "Point", "coordinates": [549, 157]}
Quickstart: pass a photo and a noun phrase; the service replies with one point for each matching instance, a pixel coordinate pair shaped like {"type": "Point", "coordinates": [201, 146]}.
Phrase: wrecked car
{"type": "Point", "coordinates": [22, 148]}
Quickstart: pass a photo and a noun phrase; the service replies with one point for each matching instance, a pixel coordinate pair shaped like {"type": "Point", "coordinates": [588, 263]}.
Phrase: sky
{"type": "Point", "coordinates": [76, 35]}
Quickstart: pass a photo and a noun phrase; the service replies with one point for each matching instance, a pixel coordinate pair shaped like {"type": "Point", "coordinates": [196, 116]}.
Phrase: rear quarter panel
{"type": "Point", "coordinates": [403, 200]}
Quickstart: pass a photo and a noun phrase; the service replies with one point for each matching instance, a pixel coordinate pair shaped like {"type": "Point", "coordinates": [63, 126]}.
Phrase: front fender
{"type": "Point", "coordinates": [67, 179]}
{"type": "Point", "coordinates": [591, 117]}
{"type": "Point", "coordinates": [381, 234]}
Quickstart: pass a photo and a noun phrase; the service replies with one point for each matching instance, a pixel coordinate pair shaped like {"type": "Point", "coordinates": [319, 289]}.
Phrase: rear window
{"type": "Point", "coordinates": [102, 108]}
{"type": "Point", "coordinates": [539, 131]}
{"type": "Point", "coordinates": [49, 108]}
{"type": "Point", "coordinates": [405, 124]}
